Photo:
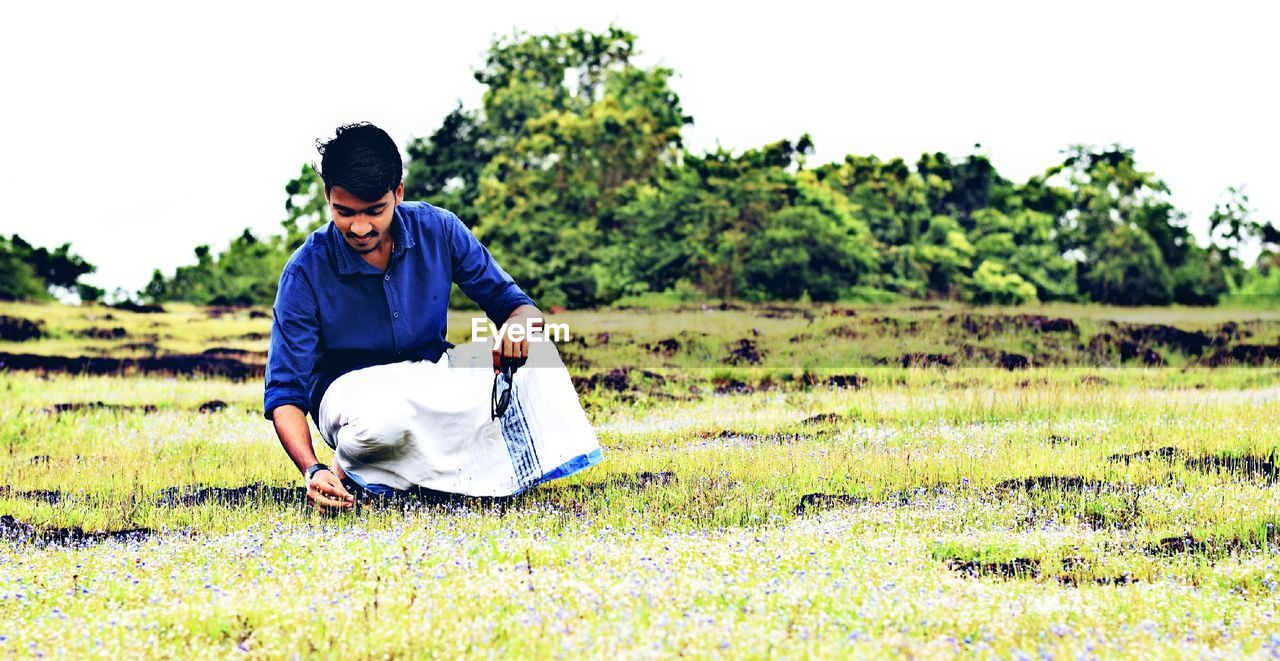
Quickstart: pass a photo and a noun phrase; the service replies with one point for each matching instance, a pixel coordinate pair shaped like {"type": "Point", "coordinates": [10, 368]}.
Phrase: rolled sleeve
{"type": "Point", "coordinates": [478, 274]}
{"type": "Point", "coordinates": [295, 340]}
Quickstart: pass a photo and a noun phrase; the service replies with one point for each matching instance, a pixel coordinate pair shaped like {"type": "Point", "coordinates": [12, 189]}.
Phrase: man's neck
{"type": "Point", "coordinates": [382, 256]}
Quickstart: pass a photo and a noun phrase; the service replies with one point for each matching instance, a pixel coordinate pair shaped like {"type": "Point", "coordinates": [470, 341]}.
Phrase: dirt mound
{"type": "Point", "coordinates": [743, 351]}
{"type": "Point", "coordinates": [232, 352]}
{"type": "Point", "coordinates": [1167, 453]}
{"type": "Point", "coordinates": [1072, 483]}
{"type": "Point", "coordinates": [1250, 467]}
{"type": "Point", "coordinates": [925, 360]}
{"type": "Point", "coordinates": [17, 329]}
{"type": "Point", "coordinates": [213, 406]}
{"type": "Point", "coordinates": [171, 365]}
{"type": "Point", "coordinates": [50, 496]}
{"type": "Point", "coordinates": [231, 496]}
{"type": "Point", "coordinates": [1012, 568]}
{"type": "Point", "coordinates": [819, 501]}
{"type": "Point", "coordinates": [983, 326]}
{"type": "Point", "coordinates": [130, 306]}
{"type": "Point", "coordinates": [95, 333]}
{"type": "Point", "coordinates": [853, 381]}
{"type": "Point", "coordinates": [823, 419]}
{"type": "Point", "coordinates": [1245, 354]}
{"type": "Point", "coordinates": [14, 530]}
{"type": "Point", "coordinates": [78, 407]}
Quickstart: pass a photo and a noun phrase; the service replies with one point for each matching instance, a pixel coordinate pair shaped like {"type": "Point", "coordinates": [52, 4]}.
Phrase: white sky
{"type": "Point", "coordinates": [138, 131]}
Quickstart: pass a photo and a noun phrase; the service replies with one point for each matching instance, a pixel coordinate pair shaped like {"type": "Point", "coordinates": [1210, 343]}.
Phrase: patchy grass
{"type": "Point", "coordinates": [746, 510]}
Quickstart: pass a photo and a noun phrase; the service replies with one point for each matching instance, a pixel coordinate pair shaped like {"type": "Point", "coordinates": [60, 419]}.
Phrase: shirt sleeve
{"type": "Point", "coordinates": [478, 275]}
{"type": "Point", "coordinates": [295, 339]}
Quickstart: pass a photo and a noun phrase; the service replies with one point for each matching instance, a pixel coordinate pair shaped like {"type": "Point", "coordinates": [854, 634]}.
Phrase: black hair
{"type": "Point", "coordinates": [361, 158]}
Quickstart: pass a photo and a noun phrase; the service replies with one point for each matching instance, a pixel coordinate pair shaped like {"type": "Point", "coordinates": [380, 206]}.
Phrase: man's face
{"type": "Point", "coordinates": [363, 224]}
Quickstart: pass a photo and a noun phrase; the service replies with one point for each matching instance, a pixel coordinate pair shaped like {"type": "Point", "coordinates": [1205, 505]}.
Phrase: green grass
{"type": "Point", "coordinates": [689, 538]}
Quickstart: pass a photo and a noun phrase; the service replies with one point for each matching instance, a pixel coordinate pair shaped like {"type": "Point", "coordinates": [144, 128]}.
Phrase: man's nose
{"type": "Point", "coordinates": [361, 228]}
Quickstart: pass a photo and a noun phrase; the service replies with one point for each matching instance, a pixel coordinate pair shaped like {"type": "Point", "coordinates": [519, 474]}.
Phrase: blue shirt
{"type": "Point", "coordinates": [335, 312]}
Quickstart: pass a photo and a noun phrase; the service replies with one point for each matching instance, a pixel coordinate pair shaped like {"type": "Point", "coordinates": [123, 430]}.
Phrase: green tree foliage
{"type": "Point", "coordinates": [28, 273]}
{"type": "Point", "coordinates": [573, 171]}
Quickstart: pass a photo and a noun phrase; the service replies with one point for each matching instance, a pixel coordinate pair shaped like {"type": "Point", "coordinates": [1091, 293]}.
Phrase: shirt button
{"type": "Point", "coordinates": [387, 278]}
{"type": "Point", "coordinates": [396, 315]}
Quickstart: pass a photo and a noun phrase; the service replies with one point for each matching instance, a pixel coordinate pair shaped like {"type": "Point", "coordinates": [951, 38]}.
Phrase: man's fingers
{"type": "Point", "coordinates": [321, 501]}
{"type": "Point", "coordinates": [331, 487]}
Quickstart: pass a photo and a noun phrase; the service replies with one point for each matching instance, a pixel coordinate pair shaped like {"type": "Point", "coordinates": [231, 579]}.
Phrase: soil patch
{"type": "Point", "coordinates": [14, 530]}
{"type": "Point", "coordinates": [1012, 568]}
{"type": "Point", "coordinates": [853, 381]}
{"type": "Point", "coordinates": [1072, 483]}
{"type": "Point", "coordinates": [172, 365]}
{"type": "Point", "coordinates": [819, 501]}
{"type": "Point", "coordinates": [213, 406]}
{"type": "Point", "coordinates": [130, 306]}
{"type": "Point", "coordinates": [822, 419]}
{"type": "Point", "coordinates": [17, 329]}
{"type": "Point", "coordinates": [50, 496]}
{"type": "Point", "coordinates": [925, 360]}
{"type": "Point", "coordinates": [95, 333]}
{"type": "Point", "coordinates": [743, 351]}
{"type": "Point", "coordinates": [1247, 466]}
{"type": "Point", "coordinates": [1167, 453]}
{"type": "Point", "coordinates": [79, 407]}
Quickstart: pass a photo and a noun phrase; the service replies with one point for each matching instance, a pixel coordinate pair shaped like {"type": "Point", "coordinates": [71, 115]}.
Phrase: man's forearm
{"type": "Point", "coordinates": [295, 435]}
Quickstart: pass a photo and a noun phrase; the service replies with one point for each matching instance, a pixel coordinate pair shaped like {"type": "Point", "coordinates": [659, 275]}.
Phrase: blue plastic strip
{"type": "Point", "coordinates": [574, 465]}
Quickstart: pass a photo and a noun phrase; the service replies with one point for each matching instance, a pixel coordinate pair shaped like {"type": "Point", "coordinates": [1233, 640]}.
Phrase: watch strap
{"type": "Point", "coordinates": [315, 468]}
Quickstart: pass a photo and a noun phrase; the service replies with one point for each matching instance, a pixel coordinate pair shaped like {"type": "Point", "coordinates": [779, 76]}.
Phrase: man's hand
{"type": "Point", "coordinates": [517, 351]}
{"type": "Point", "coordinates": [326, 493]}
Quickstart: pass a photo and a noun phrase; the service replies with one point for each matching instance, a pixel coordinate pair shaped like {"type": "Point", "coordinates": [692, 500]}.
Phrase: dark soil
{"type": "Point", "coordinates": [213, 406]}
{"type": "Point", "coordinates": [17, 329]}
{"type": "Point", "coordinates": [1180, 544]}
{"type": "Point", "coordinates": [13, 530]}
{"type": "Point", "coordinates": [96, 333]}
{"type": "Point", "coordinates": [130, 306]}
{"type": "Point", "coordinates": [231, 352]}
{"type": "Point", "coordinates": [820, 501]}
{"type": "Point", "coordinates": [171, 365]}
{"type": "Point", "coordinates": [1013, 568]}
{"type": "Point", "coordinates": [78, 407]}
{"type": "Point", "coordinates": [743, 351]}
{"type": "Point", "coordinates": [925, 360]}
{"type": "Point", "coordinates": [50, 496]}
{"type": "Point", "coordinates": [1246, 466]}
{"type": "Point", "coordinates": [1245, 354]}
{"type": "Point", "coordinates": [823, 419]}
{"type": "Point", "coordinates": [854, 381]}
{"type": "Point", "coordinates": [667, 347]}
{"type": "Point", "coordinates": [1167, 453]}
{"type": "Point", "coordinates": [230, 496]}
{"type": "Point", "coordinates": [149, 347]}
{"type": "Point", "coordinates": [728, 386]}
{"type": "Point", "coordinates": [1072, 483]}
{"type": "Point", "coordinates": [1014, 361]}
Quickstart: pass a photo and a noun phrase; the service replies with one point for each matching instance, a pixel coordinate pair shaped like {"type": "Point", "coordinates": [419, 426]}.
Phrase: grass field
{"type": "Point", "coordinates": [818, 497]}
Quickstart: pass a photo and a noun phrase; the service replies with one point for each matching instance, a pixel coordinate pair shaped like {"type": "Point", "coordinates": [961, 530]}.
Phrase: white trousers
{"type": "Point", "coordinates": [427, 424]}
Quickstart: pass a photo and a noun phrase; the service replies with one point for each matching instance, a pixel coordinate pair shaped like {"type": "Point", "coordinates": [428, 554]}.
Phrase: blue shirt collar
{"type": "Point", "coordinates": [349, 261]}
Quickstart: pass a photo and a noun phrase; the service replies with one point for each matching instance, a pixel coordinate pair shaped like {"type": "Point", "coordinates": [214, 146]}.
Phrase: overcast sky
{"type": "Point", "coordinates": [139, 131]}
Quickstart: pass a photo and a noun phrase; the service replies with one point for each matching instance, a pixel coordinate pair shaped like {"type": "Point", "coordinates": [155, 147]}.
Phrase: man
{"type": "Point", "coordinates": [371, 289]}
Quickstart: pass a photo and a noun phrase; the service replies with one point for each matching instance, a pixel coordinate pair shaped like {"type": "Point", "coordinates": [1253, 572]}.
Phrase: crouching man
{"type": "Point", "coordinates": [358, 342]}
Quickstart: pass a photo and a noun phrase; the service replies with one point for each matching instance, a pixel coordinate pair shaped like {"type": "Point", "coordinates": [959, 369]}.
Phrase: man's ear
{"type": "Point", "coordinates": [400, 192]}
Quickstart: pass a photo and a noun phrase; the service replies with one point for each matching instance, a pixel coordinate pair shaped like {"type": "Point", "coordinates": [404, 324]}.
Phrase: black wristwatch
{"type": "Point", "coordinates": [315, 468]}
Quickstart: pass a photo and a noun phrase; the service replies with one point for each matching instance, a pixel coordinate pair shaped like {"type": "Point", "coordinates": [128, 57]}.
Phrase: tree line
{"type": "Point", "coordinates": [574, 173]}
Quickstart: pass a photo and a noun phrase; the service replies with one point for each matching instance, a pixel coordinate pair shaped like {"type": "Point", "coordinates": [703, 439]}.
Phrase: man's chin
{"type": "Point", "coordinates": [365, 251]}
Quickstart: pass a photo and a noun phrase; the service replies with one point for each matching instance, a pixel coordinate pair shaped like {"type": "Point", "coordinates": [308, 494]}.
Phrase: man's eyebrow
{"type": "Point", "coordinates": [371, 206]}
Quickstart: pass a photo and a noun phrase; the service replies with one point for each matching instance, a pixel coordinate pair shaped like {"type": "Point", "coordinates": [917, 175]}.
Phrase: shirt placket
{"type": "Point", "coordinates": [393, 303]}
